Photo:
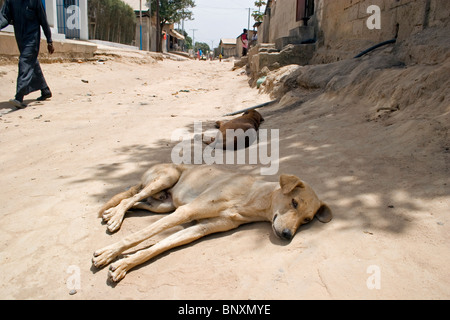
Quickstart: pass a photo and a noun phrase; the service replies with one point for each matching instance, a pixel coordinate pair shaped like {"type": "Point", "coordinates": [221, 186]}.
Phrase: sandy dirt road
{"type": "Point", "coordinates": [107, 123]}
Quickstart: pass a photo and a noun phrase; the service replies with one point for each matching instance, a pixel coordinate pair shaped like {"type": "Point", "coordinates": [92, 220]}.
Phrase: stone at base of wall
{"type": "Point", "coordinates": [265, 57]}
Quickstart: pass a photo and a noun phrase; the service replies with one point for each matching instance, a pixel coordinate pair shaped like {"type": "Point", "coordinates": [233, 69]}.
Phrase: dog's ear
{"type": "Point", "coordinates": [259, 116]}
{"type": "Point", "coordinates": [324, 213]}
{"type": "Point", "coordinates": [289, 183]}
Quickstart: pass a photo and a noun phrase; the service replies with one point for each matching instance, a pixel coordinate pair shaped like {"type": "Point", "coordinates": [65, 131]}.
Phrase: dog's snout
{"type": "Point", "coordinates": [286, 234]}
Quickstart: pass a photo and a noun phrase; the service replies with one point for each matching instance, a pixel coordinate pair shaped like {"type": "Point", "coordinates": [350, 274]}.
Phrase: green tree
{"type": "Point", "coordinates": [111, 20]}
{"type": "Point", "coordinates": [258, 15]}
{"type": "Point", "coordinates": [172, 11]}
{"type": "Point", "coordinates": [201, 45]}
{"type": "Point", "coordinates": [187, 39]}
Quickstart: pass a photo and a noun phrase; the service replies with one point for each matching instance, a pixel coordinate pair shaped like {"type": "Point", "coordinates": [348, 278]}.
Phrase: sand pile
{"type": "Point", "coordinates": [406, 88]}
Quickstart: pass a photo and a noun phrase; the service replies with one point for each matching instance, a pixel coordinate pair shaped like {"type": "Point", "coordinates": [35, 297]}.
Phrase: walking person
{"type": "Point", "coordinates": [244, 39]}
{"type": "Point", "coordinates": [27, 17]}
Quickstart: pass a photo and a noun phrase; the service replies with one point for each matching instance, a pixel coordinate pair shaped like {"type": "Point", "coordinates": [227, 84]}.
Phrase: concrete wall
{"type": "Point", "coordinates": [282, 19]}
{"type": "Point", "coordinates": [342, 24]}
{"type": "Point", "coordinates": [64, 49]}
{"type": "Point", "coordinates": [148, 33]}
{"type": "Point", "coordinates": [284, 16]}
{"type": "Point", "coordinates": [145, 33]}
{"type": "Point", "coordinates": [228, 51]}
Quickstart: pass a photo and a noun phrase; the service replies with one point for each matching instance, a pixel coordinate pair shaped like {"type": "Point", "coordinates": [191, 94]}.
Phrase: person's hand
{"type": "Point", "coordinates": [50, 48]}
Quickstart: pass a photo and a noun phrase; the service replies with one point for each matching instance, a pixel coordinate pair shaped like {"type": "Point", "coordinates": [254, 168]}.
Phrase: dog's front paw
{"type": "Point", "coordinates": [104, 256]}
{"type": "Point", "coordinates": [113, 218]}
{"type": "Point", "coordinates": [108, 214]}
{"type": "Point", "coordinates": [117, 271]}
{"type": "Point", "coordinates": [114, 223]}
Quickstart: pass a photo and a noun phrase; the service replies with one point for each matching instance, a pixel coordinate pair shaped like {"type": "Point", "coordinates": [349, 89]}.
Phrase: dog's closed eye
{"type": "Point", "coordinates": [294, 203]}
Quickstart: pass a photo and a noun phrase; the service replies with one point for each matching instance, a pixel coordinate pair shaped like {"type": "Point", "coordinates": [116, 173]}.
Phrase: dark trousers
{"type": "Point", "coordinates": [30, 77]}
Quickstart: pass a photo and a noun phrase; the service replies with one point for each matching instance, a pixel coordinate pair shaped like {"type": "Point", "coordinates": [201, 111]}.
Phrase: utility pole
{"type": "Point", "coordinates": [193, 37]}
{"type": "Point", "coordinates": [140, 24]}
{"type": "Point", "coordinates": [182, 29]}
{"type": "Point", "coordinates": [248, 29]}
{"type": "Point", "coordinates": [158, 27]}
{"type": "Point", "coordinates": [182, 32]}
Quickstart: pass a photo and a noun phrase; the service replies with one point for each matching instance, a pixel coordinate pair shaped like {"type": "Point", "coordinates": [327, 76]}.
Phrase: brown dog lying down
{"type": "Point", "coordinates": [218, 200]}
{"type": "Point", "coordinates": [244, 127]}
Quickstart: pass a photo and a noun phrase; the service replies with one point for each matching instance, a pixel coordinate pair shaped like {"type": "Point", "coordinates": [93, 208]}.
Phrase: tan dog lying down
{"type": "Point", "coordinates": [250, 120]}
{"type": "Point", "coordinates": [218, 200]}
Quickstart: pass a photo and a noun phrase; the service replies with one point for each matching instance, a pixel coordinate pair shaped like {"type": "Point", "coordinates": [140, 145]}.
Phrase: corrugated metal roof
{"type": "Point", "coordinates": [176, 34]}
{"type": "Point", "coordinates": [228, 41]}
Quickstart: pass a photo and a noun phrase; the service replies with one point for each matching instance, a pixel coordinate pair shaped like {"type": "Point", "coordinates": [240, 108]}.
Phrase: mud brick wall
{"type": "Point", "coordinates": [283, 19]}
{"type": "Point", "coordinates": [342, 30]}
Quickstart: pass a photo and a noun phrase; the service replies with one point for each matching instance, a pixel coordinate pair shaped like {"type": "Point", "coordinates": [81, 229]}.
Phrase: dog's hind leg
{"type": "Point", "coordinates": [204, 227]}
{"type": "Point", "coordinates": [158, 203]}
{"type": "Point", "coordinates": [119, 197]}
{"type": "Point", "coordinates": [156, 179]}
{"type": "Point", "coordinates": [156, 206]}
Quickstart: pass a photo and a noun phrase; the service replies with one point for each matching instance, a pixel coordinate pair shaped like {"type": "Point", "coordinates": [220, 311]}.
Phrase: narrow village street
{"type": "Point", "coordinates": [109, 120]}
{"type": "Point", "coordinates": [105, 125]}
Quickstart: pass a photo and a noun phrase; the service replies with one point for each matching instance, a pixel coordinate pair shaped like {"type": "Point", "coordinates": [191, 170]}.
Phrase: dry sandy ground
{"type": "Point", "coordinates": [107, 123]}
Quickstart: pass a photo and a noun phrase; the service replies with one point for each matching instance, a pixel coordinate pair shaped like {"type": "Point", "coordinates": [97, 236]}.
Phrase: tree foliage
{"type": "Point", "coordinates": [201, 45]}
{"type": "Point", "coordinates": [111, 20]}
{"type": "Point", "coordinates": [187, 38]}
{"type": "Point", "coordinates": [172, 11]}
{"type": "Point", "coordinates": [259, 15]}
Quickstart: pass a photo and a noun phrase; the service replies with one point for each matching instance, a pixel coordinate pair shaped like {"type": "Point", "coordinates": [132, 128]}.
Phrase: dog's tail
{"type": "Point", "coordinates": [119, 197]}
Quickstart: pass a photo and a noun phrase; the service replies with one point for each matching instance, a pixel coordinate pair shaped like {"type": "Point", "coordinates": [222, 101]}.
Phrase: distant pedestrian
{"type": "Point", "coordinates": [244, 39]}
{"type": "Point", "coordinates": [27, 17]}
{"type": "Point", "coordinates": [220, 57]}
{"type": "Point", "coordinates": [255, 38]}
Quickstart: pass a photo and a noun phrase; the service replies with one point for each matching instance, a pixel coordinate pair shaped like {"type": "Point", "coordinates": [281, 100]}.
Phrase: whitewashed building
{"type": "Point", "coordinates": [68, 19]}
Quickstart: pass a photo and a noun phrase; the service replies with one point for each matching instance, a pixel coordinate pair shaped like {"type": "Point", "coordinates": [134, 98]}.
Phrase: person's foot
{"type": "Point", "coordinates": [18, 104]}
{"type": "Point", "coordinates": [45, 94]}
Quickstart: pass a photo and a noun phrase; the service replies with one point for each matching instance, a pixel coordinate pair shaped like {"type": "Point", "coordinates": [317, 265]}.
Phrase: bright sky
{"type": "Point", "coordinates": [217, 19]}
